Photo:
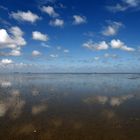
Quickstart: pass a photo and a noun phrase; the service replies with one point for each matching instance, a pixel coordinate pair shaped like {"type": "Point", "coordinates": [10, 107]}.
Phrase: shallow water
{"type": "Point", "coordinates": [70, 107]}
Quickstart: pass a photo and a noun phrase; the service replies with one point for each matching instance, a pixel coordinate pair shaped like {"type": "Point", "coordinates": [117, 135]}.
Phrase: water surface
{"type": "Point", "coordinates": [70, 107]}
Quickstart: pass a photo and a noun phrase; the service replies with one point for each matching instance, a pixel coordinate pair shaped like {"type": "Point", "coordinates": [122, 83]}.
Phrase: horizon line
{"type": "Point", "coordinates": [71, 73]}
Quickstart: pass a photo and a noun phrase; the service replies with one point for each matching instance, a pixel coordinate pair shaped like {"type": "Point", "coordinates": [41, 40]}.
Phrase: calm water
{"type": "Point", "coordinates": [70, 107]}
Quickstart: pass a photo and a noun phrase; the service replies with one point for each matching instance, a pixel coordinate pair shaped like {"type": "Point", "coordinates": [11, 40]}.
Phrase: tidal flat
{"type": "Point", "coordinates": [70, 107]}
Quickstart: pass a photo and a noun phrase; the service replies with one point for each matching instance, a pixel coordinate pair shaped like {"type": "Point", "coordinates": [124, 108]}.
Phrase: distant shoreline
{"type": "Point", "coordinates": [74, 73]}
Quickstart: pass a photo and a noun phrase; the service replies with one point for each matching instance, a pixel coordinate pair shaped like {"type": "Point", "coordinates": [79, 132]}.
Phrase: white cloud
{"type": "Point", "coordinates": [15, 53]}
{"type": "Point", "coordinates": [58, 47]}
{"type": "Point", "coordinates": [96, 58]}
{"type": "Point", "coordinates": [36, 35]}
{"type": "Point", "coordinates": [6, 61]}
{"type": "Point", "coordinates": [5, 40]}
{"type": "Point", "coordinates": [107, 55]}
{"type": "Point", "coordinates": [132, 2]}
{"type": "Point", "coordinates": [112, 29]}
{"type": "Point", "coordinates": [16, 31]}
{"type": "Point", "coordinates": [103, 45]}
{"type": "Point", "coordinates": [12, 40]}
{"type": "Point", "coordinates": [117, 44]}
{"type": "Point", "coordinates": [17, 36]}
{"type": "Point", "coordinates": [117, 8]}
{"type": "Point", "coordinates": [96, 46]}
{"type": "Point", "coordinates": [124, 5]}
{"type": "Point", "coordinates": [57, 22]}
{"type": "Point", "coordinates": [36, 53]}
{"type": "Point", "coordinates": [66, 51]}
{"type": "Point", "coordinates": [79, 19]}
{"type": "Point", "coordinates": [50, 11]}
{"type": "Point", "coordinates": [45, 45]}
{"type": "Point", "coordinates": [53, 55]}
{"type": "Point", "coordinates": [129, 49]}
{"type": "Point", "coordinates": [25, 16]}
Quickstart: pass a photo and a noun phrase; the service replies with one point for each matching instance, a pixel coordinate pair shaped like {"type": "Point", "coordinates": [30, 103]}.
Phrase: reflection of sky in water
{"type": "Point", "coordinates": [66, 106]}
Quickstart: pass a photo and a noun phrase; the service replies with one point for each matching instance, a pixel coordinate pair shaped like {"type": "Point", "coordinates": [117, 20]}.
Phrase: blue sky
{"type": "Point", "coordinates": [69, 36]}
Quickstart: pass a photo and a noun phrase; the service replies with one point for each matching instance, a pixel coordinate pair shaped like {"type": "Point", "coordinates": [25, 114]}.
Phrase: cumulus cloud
{"type": "Point", "coordinates": [118, 44]}
{"type": "Point", "coordinates": [103, 45]}
{"type": "Point", "coordinates": [6, 61]}
{"type": "Point", "coordinates": [16, 31]}
{"type": "Point", "coordinates": [124, 5]}
{"type": "Point", "coordinates": [79, 19]}
{"type": "Point", "coordinates": [25, 16]}
{"type": "Point", "coordinates": [53, 55]}
{"type": "Point", "coordinates": [96, 58]}
{"type": "Point", "coordinates": [45, 45]}
{"type": "Point", "coordinates": [50, 11]}
{"type": "Point", "coordinates": [96, 46]}
{"type": "Point", "coordinates": [5, 40]}
{"type": "Point", "coordinates": [107, 55]}
{"type": "Point", "coordinates": [66, 51]}
{"type": "Point", "coordinates": [112, 29]}
{"type": "Point", "coordinates": [58, 47]}
{"type": "Point", "coordinates": [132, 2]}
{"type": "Point", "coordinates": [36, 53]}
{"type": "Point", "coordinates": [36, 35]}
{"type": "Point", "coordinates": [15, 53]}
{"type": "Point", "coordinates": [57, 22]}
{"type": "Point", "coordinates": [17, 36]}
{"type": "Point", "coordinates": [117, 8]}
{"type": "Point", "coordinates": [12, 39]}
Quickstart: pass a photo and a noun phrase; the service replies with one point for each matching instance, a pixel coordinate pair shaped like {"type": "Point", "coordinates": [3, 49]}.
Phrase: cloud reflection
{"type": "Point", "coordinates": [116, 101]}
{"type": "Point", "coordinates": [37, 109]}
{"type": "Point", "coordinates": [35, 92]}
{"type": "Point", "coordinates": [5, 84]}
{"type": "Point", "coordinates": [12, 105]}
{"type": "Point", "coordinates": [112, 101]}
{"type": "Point", "coordinates": [3, 109]}
{"type": "Point", "coordinates": [96, 99]}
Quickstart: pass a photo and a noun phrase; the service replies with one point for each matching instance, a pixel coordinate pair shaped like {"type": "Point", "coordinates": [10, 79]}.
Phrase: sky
{"type": "Point", "coordinates": [69, 36]}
